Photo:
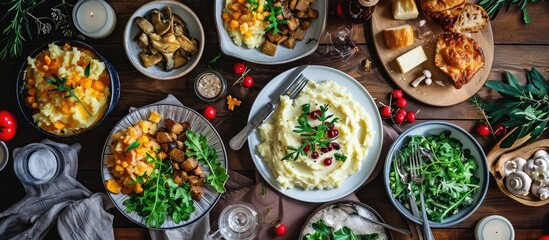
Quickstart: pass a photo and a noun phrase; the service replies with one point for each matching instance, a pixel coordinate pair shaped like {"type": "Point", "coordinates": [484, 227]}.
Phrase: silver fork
{"type": "Point", "coordinates": [417, 177]}
{"type": "Point", "coordinates": [291, 91]}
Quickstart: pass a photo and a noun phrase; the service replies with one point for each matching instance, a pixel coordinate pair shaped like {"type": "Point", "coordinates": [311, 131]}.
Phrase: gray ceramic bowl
{"type": "Point", "coordinates": [133, 50]}
{"type": "Point", "coordinates": [4, 155]}
{"type": "Point", "coordinates": [435, 128]}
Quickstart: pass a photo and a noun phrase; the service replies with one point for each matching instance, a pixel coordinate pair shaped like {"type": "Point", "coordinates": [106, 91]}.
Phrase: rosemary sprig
{"type": "Point", "coordinates": [492, 7]}
{"type": "Point", "coordinates": [12, 35]}
{"type": "Point", "coordinates": [310, 135]}
{"type": "Point", "coordinates": [523, 107]}
{"type": "Point", "coordinates": [59, 84]}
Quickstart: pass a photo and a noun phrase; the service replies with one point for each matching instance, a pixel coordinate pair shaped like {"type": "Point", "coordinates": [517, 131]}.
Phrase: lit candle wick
{"type": "Point", "coordinates": [91, 14]}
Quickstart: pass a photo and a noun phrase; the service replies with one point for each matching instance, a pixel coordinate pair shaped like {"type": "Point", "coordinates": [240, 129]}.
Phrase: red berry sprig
{"type": "Point", "coordinates": [245, 80]}
{"type": "Point", "coordinates": [396, 111]}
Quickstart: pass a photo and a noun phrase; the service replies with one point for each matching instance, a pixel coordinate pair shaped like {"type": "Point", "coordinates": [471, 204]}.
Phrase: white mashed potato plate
{"type": "Point", "coordinates": [359, 95]}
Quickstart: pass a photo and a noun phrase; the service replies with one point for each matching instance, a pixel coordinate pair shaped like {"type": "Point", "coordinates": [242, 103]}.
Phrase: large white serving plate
{"type": "Point", "coordinates": [198, 125]}
{"type": "Point", "coordinates": [283, 54]}
{"type": "Point", "coordinates": [360, 95]}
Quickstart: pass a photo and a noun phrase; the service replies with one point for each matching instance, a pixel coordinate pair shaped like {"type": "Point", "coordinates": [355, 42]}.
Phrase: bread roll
{"type": "Point", "coordinates": [473, 18]}
{"type": "Point", "coordinates": [398, 37]}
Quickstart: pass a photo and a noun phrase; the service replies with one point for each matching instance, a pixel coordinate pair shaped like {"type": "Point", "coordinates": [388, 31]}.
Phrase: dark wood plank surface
{"type": "Point", "coordinates": [517, 48]}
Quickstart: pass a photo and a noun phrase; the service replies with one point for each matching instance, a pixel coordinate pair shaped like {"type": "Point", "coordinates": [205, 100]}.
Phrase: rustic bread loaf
{"type": "Point", "coordinates": [443, 12]}
{"type": "Point", "coordinates": [472, 19]}
{"type": "Point", "coordinates": [398, 37]}
{"type": "Point", "coordinates": [459, 57]}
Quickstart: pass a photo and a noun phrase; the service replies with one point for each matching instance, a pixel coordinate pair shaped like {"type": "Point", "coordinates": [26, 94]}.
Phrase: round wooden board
{"type": "Point", "coordinates": [435, 95]}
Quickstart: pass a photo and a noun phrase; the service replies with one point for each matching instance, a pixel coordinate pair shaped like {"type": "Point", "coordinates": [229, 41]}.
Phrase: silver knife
{"type": "Point", "coordinates": [238, 140]}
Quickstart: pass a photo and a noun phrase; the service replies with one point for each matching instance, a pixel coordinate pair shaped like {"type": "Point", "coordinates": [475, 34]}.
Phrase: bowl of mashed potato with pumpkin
{"type": "Point", "coordinates": [318, 139]}
{"type": "Point", "coordinates": [66, 88]}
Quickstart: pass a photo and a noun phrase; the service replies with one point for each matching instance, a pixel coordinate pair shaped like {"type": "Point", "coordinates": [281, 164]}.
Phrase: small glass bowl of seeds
{"type": "Point", "coordinates": [210, 86]}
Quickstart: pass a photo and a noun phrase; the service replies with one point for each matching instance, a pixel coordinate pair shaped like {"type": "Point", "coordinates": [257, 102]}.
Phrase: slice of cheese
{"type": "Point", "coordinates": [405, 9]}
{"type": "Point", "coordinates": [411, 59]}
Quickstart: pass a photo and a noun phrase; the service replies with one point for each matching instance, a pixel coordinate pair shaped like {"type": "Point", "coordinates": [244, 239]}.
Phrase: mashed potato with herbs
{"type": "Point", "coordinates": [244, 22]}
{"type": "Point", "coordinates": [55, 110]}
{"type": "Point", "coordinates": [354, 139]}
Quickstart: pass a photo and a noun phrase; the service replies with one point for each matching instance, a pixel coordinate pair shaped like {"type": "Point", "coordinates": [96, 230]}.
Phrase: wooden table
{"type": "Point", "coordinates": [517, 47]}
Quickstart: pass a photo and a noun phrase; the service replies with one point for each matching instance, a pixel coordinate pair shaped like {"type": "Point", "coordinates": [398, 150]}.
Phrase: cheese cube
{"type": "Point", "coordinates": [411, 59]}
{"type": "Point", "coordinates": [405, 9]}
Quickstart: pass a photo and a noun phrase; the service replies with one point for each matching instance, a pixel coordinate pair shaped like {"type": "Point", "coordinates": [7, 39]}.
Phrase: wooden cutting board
{"type": "Point", "coordinates": [434, 94]}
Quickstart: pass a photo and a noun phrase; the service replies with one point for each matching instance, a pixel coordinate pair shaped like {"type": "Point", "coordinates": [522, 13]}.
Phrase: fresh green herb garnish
{"type": "Point", "coordinates": [450, 180]}
{"type": "Point", "coordinates": [273, 21]}
{"type": "Point", "coordinates": [492, 7]}
{"type": "Point", "coordinates": [524, 107]}
{"type": "Point", "coordinates": [323, 232]}
{"type": "Point", "coordinates": [87, 70]}
{"type": "Point", "coordinates": [340, 157]}
{"type": "Point", "coordinates": [161, 196]}
{"type": "Point", "coordinates": [254, 5]}
{"type": "Point", "coordinates": [214, 60]}
{"type": "Point", "coordinates": [13, 35]}
{"type": "Point", "coordinates": [59, 84]}
{"type": "Point", "coordinates": [312, 136]}
{"type": "Point", "coordinates": [197, 146]}
{"type": "Point", "coordinates": [132, 146]}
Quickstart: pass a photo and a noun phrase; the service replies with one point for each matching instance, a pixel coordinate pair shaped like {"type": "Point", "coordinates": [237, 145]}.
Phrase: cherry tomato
{"type": "Point", "coordinates": [8, 125]}
{"type": "Point", "coordinates": [399, 118]}
{"type": "Point", "coordinates": [280, 229]}
{"type": "Point", "coordinates": [239, 68]}
{"type": "Point", "coordinates": [397, 93]}
{"type": "Point", "coordinates": [385, 111]}
{"type": "Point", "coordinates": [248, 81]}
{"type": "Point", "coordinates": [401, 102]}
{"type": "Point", "coordinates": [500, 130]}
{"type": "Point", "coordinates": [483, 129]}
{"type": "Point", "coordinates": [209, 112]}
{"type": "Point", "coordinates": [545, 237]}
{"type": "Point", "coordinates": [411, 117]}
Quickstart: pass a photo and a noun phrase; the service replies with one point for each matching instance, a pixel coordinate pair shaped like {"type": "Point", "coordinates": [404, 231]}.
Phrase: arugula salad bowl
{"type": "Point", "coordinates": [201, 127]}
{"type": "Point", "coordinates": [454, 167]}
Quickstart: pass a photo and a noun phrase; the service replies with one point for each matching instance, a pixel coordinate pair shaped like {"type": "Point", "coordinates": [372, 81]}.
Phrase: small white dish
{"type": "Point", "coordinates": [283, 54]}
{"type": "Point", "coordinates": [4, 155]}
{"type": "Point", "coordinates": [195, 31]}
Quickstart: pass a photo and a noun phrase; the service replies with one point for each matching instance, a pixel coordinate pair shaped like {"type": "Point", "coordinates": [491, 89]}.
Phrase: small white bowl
{"type": "Point", "coordinates": [4, 155]}
{"type": "Point", "coordinates": [133, 50]}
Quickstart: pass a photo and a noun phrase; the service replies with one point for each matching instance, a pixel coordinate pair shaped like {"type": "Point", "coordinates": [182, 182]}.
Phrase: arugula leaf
{"type": "Point", "coordinates": [272, 19]}
{"type": "Point", "coordinates": [161, 196]}
{"type": "Point", "coordinates": [197, 146]}
{"type": "Point", "coordinates": [324, 232]}
{"type": "Point", "coordinates": [132, 146]}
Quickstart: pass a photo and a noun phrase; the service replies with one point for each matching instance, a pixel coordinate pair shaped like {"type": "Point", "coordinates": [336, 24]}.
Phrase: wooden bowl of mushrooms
{"type": "Point", "coordinates": [164, 39]}
{"type": "Point", "coordinates": [522, 173]}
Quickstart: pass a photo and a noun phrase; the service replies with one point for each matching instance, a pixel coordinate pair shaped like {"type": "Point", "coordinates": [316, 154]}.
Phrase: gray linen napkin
{"type": "Point", "coordinates": [65, 199]}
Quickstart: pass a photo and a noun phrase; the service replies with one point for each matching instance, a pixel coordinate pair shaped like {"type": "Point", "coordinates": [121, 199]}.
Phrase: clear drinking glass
{"type": "Point", "coordinates": [238, 221]}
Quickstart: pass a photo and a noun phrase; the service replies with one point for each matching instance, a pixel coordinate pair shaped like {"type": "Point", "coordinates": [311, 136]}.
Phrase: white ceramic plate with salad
{"type": "Point", "coordinates": [198, 125]}
{"type": "Point", "coordinates": [360, 95]}
{"type": "Point", "coordinates": [283, 55]}
{"type": "Point", "coordinates": [451, 174]}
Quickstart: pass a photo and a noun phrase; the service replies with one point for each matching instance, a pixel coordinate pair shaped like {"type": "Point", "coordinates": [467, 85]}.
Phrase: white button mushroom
{"type": "Point", "coordinates": [515, 164]}
{"type": "Point", "coordinates": [428, 81]}
{"type": "Point", "coordinates": [518, 183]}
{"type": "Point", "coordinates": [536, 186]}
{"type": "Point", "coordinates": [541, 154]}
{"type": "Point", "coordinates": [426, 74]}
{"type": "Point", "coordinates": [543, 193]}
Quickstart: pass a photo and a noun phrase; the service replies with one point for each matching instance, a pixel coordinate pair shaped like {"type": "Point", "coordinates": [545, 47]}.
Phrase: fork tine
{"type": "Point", "coordinates": [301, 83]}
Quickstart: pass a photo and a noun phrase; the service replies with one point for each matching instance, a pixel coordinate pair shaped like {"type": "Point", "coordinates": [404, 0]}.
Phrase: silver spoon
{"type": "Point", "coordinates": [352, 209]}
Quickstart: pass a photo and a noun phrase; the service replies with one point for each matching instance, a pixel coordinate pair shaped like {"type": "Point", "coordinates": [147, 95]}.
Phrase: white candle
{"type": "Point", "coordinates": [94, 18]}
{"type": "Point", "coordinates": [494, 227]}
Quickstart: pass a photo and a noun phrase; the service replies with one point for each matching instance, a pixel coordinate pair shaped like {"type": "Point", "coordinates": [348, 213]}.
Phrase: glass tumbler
{"type": "Point", "coordinates": [238, 221]}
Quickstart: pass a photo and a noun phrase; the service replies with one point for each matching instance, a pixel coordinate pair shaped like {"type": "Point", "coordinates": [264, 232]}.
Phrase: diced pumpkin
{"type": "Point", "coordinates": [110, 161]}
{"type": "Point", "coordinates": [113, 186]}
{"type": "Point", "coordinates": [58, 125]}
{"type": "Point", "coordinates": [138, 188]}
{"type": "Point", "coordinates": [155, 117]}
{"type": "Point", "coordinates": [162, 156]}
{"type": "Point", "coordinates": [98, 85]}
{"type": "Point", "coordinates": [47, 59]}
{"type": "Point", "coordinates": [145, 126]}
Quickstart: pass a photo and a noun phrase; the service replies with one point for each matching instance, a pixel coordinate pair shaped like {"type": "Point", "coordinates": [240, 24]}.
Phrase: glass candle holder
{"type": "Point", "coordinates": [94, 18]}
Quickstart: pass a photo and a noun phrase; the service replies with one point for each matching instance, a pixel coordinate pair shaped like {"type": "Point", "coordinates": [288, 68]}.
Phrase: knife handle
{"type": "Point", "coordinates": [238, 140]}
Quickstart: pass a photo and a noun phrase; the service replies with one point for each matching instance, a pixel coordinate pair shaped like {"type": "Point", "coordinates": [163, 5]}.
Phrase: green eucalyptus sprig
{"type": "Point", "coordinates": [60, 85]}
{"type": "Point", "coordinates": [13, 35]}
{"type": "Point", "coordinates": [492, 7]}
{"type": "Point", "coordinates": [523, 107]}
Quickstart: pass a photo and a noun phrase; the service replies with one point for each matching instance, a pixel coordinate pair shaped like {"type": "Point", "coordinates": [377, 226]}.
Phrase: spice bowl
{"type": "Point", "coordinates": [210, 86]}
